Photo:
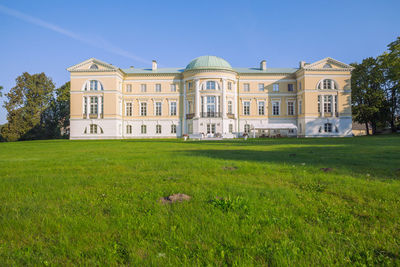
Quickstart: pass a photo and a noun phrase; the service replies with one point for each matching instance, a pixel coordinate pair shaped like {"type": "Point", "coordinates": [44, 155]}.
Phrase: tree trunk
{"type": "Point", "coordinates": [366, 127]}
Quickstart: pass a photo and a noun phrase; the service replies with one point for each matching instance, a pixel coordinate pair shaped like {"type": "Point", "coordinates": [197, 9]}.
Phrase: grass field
{"type": "Point", "coordinates": [97, 202]}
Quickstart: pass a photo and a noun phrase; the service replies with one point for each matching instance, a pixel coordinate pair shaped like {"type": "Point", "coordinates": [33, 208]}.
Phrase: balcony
{"type": "Point", "coordinates": [189, 116]}
{"type": "Point", "coordinates": [92, 116]}
{"type": "Point", "coordinates": [210, 114]}
{"type": "Point", "coordinates": [230, 115]}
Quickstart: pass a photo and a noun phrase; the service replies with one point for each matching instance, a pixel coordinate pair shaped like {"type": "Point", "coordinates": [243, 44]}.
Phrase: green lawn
{"type": "Point", "coordinates": [97, 202]}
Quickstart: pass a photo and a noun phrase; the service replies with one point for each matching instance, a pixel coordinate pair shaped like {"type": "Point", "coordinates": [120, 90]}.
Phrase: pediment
{"type": "Point", "coordinates": [92, 65]}
{"type": "Point", "coordinates": [328, 64]}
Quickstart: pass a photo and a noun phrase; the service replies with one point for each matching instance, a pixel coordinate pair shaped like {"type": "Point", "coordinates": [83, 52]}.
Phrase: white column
{"type": "Point", "coordinates": [205, 104]}
{"type": "Point", "coordinates": [333, 106]}
{"type": "Point", "coordinates": [223, 102]}
{"type": "Point", "coordinates": [88, 107]}
{"type": "Point", "coordinates": [184, 108]}
{"type": "Point", "coordinates": [197, 99]}
{"type": "Point", "coordinates": [98, 107]}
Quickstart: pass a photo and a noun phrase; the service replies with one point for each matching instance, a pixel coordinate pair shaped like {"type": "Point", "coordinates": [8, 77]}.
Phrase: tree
{"type": "Point", "coordinates": [63, 107]}
{"type": "Point", "coordinates": [26, 104]}
{"type": "Point", "coordinates": [1, 88]}
{"type": "Point", "coordinates": [390, 63]}
{"type": "Point", "coordinates": [368, 99]}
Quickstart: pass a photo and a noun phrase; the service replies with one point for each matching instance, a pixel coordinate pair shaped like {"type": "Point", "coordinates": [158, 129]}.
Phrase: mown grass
{"type": "Point", "coordinates": [255, 202]}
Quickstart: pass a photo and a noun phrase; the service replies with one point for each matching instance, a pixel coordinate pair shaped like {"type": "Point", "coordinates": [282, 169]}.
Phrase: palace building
{"type": "Point", "coordinates": [210, 98]}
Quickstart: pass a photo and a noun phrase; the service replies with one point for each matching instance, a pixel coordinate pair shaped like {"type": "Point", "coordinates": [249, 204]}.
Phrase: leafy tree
{"type": "Point", "coordinates": [63, 107]}
{"type": "Point", "coordinates": [368, 99]}
{"type": "Point", "coordinates": [26, 104]}
{"type": "Point", "coordinates": [390, 63]}
{"type": "Point", "coordinates": [1, 88]}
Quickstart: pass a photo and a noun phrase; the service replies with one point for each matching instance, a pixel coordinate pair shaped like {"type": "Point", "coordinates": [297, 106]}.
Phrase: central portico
{"type": "Point", "coordinates": [210, 97]}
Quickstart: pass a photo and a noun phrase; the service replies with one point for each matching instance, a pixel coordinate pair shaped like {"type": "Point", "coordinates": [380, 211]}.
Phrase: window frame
{"type": "Point", "coordinates": [157, 88]}
{"type": "Point", "coordinates": [246, 108]}
{"type": "Point", "coordinates": [158, 129]}
{"type": "Point", "coordinates": [143, 129]}
{"type": "Point", "coordinates": [273, 107]}
{"type": "Point", "coordinates": [158, 108]}
{"type": "Point", "coordinates": [128, 109]}
{"type": "Point", "coordinates": [261, 87]}
{"type": "Point", "coordinates": [246, 87]}
{"type": "Point", "coordinates": [143, 109]}
{"type": "Point", "coordinates": [275, 87]}
{"type": "Point", "coordinates": [261, 107]}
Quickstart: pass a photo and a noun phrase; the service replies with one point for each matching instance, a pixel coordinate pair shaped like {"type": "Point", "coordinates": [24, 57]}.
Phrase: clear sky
{"type": "Point", "coordinates": [49, 36]}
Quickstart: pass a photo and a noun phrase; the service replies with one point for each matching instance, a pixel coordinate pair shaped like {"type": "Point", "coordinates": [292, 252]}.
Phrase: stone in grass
{"type": "Point", "coordinates": [175, 198]}
{"type": "Point", "coordinates": [326, 169]}
{"type": "Point", "coordinates": [229, 168]}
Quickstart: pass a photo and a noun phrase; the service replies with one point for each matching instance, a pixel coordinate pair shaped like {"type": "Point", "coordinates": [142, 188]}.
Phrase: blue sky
{"type": "Point", "coordinates": [49, 36]}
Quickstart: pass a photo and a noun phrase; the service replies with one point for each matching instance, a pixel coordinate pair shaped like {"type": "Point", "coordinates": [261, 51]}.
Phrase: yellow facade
{"type": "Point", "coordinates": [210, 98]}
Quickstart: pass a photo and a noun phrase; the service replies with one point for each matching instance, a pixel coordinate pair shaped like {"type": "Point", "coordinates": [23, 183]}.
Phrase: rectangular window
{"type": "Point", "coordinates": [93, 105]}
{"type": "Point", "coordinates": [172, 111]}
{"type": "Point", "coordinates": [327, 103]}
{"type": "Point", "coordinates": [230, 109]}
{"type": "Point", "coordinates": [299, 86]}
{"type": "Point", "coordinates": [275, 87]}
{"type": "Point", "coordinates": [128, 111]}
{"type": "Point", "coordinates": [158, 129]}
{"type": "Point", "coordinates": [261, 87]}
{"type": "Point", "coordinates": [275, 108]}
{"type": "Point", "coordinates": [246, 87]}
{"type": "Point", "coordinates": [173, 129]}
{"type": "Point", "coordinates": [229, 85]}
{"type": "Point", "coordinates": [143, 88]}
{"type": "Point", "coordinates": [173, 87]}
{"type": "Point", "coordinates": [143, 109]}
{"type": "Point", "coordinates": [143, 129]}
{"type": "Point", "coordinates": [129, 129]}
{"type": "Point", "coordinates": [158, 108]}
{"type": "Point", "coordinates": [210, 85]}
{"type": "Point", "coordinates": [328, 127]}
{"type": "Point", "coordinates": [247, 128]}
{"type": "Point", "coordinates": [158, 87]}
{"type": "Point", "coordinates": [189, 85]}
{"type": "Point", "coordinates": [231, 128]}
{"type": "Point", "coordinates": [211, 106]}
{"type": "Point", "coordinates": [190, 128]}
{"type": "Point", "coordinates": [336, 105]}
{"type": "Point", "coordinates": [246, 108]}
{"type": "Point", "coordinates": [319, 104]}
{"type": "Point", "coordinates": [290, 108]}
{"type": "Point", "coordinates": [129, 88]}
{"type": "Point", "coordinates": [93, 128]}
{"type": "Point", "coordinates": [261, 108]}
{"type": "Point", "coordinates": [290, 87]}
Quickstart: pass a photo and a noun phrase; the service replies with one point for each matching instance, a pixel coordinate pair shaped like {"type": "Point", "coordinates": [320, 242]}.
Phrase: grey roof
{"type": "Point", "coordinates": [150, 71]}
{"type": "Point", "coordinates": [267, 71]}
{"type": "Point", "coordinates": [180, 70]}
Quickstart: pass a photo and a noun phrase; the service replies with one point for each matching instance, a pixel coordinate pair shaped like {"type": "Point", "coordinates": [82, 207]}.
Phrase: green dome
{"type": "Point", "coordinates": [208, 62]}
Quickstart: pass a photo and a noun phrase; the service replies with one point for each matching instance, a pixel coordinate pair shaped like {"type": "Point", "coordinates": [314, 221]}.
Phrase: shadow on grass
{"type": "Point", "coordinates": [336, 158]}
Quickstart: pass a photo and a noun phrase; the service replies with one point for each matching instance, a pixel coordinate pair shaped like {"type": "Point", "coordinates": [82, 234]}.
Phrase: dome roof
{"type": "Point", "coordinates": [208, 62]}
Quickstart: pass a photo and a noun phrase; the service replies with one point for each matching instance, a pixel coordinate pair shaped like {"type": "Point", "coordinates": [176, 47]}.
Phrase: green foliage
{"type": "Point", "coordinates": [26, 104]}
{"type": "Point", "coordinates": [368, 99]}
{"type": "Point", "coordinates": [33, 111]}
{"type": "Point", "coordinates": [101, 206]}
{"type": "Point", "coordinates": [376, 89]}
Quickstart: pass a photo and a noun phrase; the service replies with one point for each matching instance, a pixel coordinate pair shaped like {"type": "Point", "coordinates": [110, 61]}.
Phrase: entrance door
{"type": "Point", "coordinates": [211, 128]}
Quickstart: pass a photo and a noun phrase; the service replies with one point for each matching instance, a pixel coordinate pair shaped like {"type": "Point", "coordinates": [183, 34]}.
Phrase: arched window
{"type": "Point", "coordinates": [93, 85]}
{"type": "Point", "coordinates": [93, 129]}
{"type": "Point", "coordinates": [327, 84]}
{"type": "Point", "coordinates": [210, 85]}
{"type": "Point", "coordinates": [94, 67]}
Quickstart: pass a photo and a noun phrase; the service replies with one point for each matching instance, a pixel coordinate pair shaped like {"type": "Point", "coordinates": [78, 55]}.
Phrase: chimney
{"type": "Point", "coordinates": [263, 65]}
{"type": "Point", "coordinates": [302, 64]}
{"type": "Point", "coordinates": [154, 66]}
